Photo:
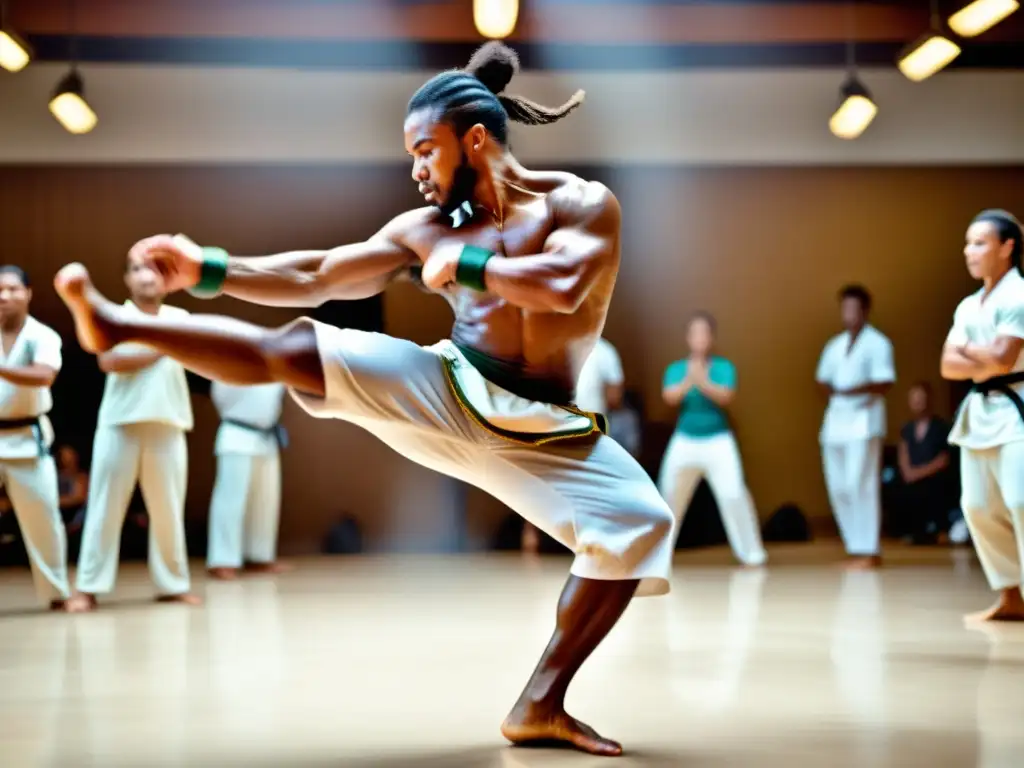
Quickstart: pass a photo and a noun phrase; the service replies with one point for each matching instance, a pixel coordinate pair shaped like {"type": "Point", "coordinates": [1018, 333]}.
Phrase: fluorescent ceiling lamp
{"type": "Point", "coordinates": [980, 16]}
{"type": "Point", "coordinates": [14, 52]}
{"type": "Point", "coordinates": [927, 56]}
{"type": "Point", "coordinates": [495, 18]}
{"type": "Point", "coordinates": [856, 110]}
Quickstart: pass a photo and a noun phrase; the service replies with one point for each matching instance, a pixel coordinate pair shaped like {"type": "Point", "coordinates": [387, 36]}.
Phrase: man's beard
{"type": "Point", "coordinates": [463, 183]}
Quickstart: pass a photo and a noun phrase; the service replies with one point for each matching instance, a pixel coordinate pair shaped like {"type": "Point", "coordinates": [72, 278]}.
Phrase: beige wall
{"type": "Point", "coordinates": [764, 249]}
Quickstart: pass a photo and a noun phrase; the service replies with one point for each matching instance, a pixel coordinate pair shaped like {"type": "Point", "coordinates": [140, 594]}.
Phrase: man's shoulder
{"type": "Point", "coordinates": [40, 331]}
{"type": "Point", "coordinates": [575, 196]}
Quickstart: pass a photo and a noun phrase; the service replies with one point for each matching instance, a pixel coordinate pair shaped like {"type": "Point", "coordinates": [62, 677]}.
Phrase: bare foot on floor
{"type": "Point", "coordinates": [868, 563]}
{"type": "Point", "coordinates": [223, 574]}
{"type": "Point", "coordinates": [91, 311]}
{"type": "Point", "coordinates": [80, 602]}
{"type": "Point", "coordinates": [57, 605]}
{"type": "Point", "coordinates": [1003, 610]}
{"type": "Point", "coordinates": [557, 730]}
{"type": "Point", "coordinates": [186, 599]}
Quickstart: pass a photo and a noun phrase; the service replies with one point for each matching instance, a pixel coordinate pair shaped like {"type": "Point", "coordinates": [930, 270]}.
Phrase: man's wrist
{"type": "Point", "coordinates": [213, 273]}
{"type": "Point", "coordinates": [471, 269]}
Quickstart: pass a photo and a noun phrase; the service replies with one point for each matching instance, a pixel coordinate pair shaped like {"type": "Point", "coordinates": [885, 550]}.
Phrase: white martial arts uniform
{"type": "Point", "coordinates": [140, 438]}
{"type": "Point", "coordinates": [26, 467]}
{"type": "Point", "coordinates": [703, 446]}
{"type": "Point", "coordinates": [852, 434]}
{"type": "Point", "coordinates": [246, 502]}
{"type": "Point", "coordinates": [546, 462]}
{"type": "Point", "coordinates": [990, 432]}
{"type": "Point", "coordinates": [602, 369]}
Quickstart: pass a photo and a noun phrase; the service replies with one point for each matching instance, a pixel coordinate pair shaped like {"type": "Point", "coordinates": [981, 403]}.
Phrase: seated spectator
{"type": "Point", "coordinates": [924, 460]}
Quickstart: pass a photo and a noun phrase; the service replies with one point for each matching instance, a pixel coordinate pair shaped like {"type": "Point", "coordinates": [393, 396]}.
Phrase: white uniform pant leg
{"type": "Point", "coordinates": [264, 511]}
{"type": "Point", "coordinates": [724, 473]}
{"type": "Point", "coordinates": [231, 497]}
{"type": "Point", "coordinates": [853, 478]}
{"type": "Point", "coordinates": [163, 480]}
{"type": "Point", "coordinates": [32, 488]}
{"type": "Point", "coordinates": [115, 470]}
{"type": "Point", "coordinates": [995, 530]}
{"type": "Point", "coordinates": [682, 467]}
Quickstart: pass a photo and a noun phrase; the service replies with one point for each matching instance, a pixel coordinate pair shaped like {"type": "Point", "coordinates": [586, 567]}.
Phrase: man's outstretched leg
{"type": "Point", "coordinates": [212, 346]}
{"type": "Point", "coordinates": [587, 610]}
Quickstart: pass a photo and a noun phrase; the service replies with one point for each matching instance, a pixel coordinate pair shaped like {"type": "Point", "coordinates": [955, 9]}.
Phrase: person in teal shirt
{"type": "Point", "coordinates": [702, 385]}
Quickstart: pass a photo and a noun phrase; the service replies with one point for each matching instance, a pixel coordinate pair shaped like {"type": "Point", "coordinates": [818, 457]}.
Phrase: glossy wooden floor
{"type": "Point", "coordinates": [414, 662]}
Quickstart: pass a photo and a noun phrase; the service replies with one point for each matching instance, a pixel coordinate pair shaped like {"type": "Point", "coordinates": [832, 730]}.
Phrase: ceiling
{"type": "Point", "coordinates": [588, 34]}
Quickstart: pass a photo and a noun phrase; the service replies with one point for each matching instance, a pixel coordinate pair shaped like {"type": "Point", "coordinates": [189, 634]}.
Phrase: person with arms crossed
{"type": "Point", "coordinates": [855, 372]}
{"type": "Point", "coordinates": [702, 386]}
{"type": "Point", "coordinates": [140, 438]}
{"type": "Point", "coordinates": [986, 346]}
{"type": "Point", "coordinates": [246, 504]}
{"type": "Point", "coordinates": [528, 261]}
{"type": "Point", "coordinates": [30, 360]}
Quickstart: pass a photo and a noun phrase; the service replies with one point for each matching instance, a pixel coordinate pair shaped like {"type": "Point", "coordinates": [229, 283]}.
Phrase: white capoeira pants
{"type": "Point", "coordinates": [244, 510]}
{"type": "Point", "coordinates": [853, 477]}
{"type": "Point", "coordinates": [591, 495]}
{"type": "Point", "coordinates": [717, 459]}
{"type": "Point", "coordinates": [992, 497]}
{"type": "Point", "coordinates": [156, 457]}
{"type": "Point", "coordinates": [32, 488]}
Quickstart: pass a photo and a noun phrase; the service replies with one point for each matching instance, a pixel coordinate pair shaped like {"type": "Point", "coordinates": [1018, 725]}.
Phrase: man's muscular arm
{"type": "Point", "coordinates": [295, 278]}
{"type": "Point", "coordinates": [576, 254]}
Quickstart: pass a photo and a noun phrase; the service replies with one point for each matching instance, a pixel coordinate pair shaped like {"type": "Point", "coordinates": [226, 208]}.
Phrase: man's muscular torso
{"type": "Point", "coordinates": [546, 345]}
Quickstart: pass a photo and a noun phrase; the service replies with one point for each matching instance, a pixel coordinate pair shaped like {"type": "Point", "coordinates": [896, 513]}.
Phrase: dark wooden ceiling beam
{"type": "Point", "coordinates": [450, 21]}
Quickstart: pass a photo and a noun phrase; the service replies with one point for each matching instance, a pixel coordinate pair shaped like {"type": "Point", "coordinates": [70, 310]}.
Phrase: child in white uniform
{"type": "Point", "coordinates": [30, 359]}
{"type": "Point", "coordinates": [986, 345]}
{"type": "Point", "coordinates": [140, 438]}
{"type": "Point", "coordinates": [856, 370]}
{"type": "Point", "coordinates": [246, 503]}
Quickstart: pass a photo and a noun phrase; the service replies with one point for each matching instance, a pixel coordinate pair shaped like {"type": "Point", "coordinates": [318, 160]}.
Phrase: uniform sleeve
{"type": "Point", "coordinates": [826, 367]}
{"type": "Point", "coordinates": [612, 367]}
{"type": "Point", "coordinates": [1010, 320]}
{"type": "Point", "coordinates": [723, 373]}
{"type": "Point", "coordinates": [674, 374]}
{"type": "Point", "coordinates": [883, 367]}
{"type": "Point", "coordinates": [47, 350]}
{"type": "Point", "coordinates": [958, 333]}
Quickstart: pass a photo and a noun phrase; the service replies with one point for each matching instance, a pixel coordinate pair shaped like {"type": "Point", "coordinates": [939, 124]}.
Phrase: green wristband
{"type": "Point", "coordinates": [470, 271]}
{"type": "Point", "coordinates": [212, 274]}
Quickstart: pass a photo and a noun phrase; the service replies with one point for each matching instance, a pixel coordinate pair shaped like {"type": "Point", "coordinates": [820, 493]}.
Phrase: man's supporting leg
{"type": "Point", "coordinates": [587, 610]}
{"type": "Point", "coordinates": [212, 346]}
{"type": "Point", "coordinates": [864, 463]}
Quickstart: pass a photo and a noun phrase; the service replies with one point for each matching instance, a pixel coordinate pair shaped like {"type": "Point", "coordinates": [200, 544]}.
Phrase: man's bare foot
{"type": "Point", "coordinates": [524, 728]}
{"type": "Point", "coordinates": [1009, 607]}
{"type": "Point", "coordinates": [91, 311]}
{"type": "Point", "coordinates": [80, 602]}
{"type": "Point", "coordinates": [223, 574]}
{"type": "Point", "coordinates": [187, 599]}
{"type": "Point", "coordinates": [274, 567]}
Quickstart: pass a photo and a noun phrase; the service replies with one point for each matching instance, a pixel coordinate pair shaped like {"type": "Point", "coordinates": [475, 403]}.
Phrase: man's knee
{"type": "Point", "coordinates": [293, 358]}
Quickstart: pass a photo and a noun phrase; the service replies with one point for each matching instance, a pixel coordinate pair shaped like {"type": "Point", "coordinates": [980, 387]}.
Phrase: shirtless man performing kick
{"type": "Point", "coordinates": [528, 261]}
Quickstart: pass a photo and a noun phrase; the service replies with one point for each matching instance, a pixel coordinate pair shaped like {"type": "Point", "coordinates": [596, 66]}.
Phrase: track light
{"type": "Point", "coordinates": [495, 18]}
{"type": "Point", "coordinates": [980, 16]}
{"type": "Point", "coordinates": [14, 52]}
{"type": "Point", "coordinates": [927, 56]}
{"type": "Point", "coordinates": [856, 110]}
{"type": "Point", "coordinates": [69, 106]}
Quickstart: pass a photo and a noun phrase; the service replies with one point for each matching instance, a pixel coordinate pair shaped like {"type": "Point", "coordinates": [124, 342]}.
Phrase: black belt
{"type": "Point", "coordinates": [1001, 384]}
{"type": "Point", "coordinates": [278, 432]}
{"type": "Point", "coordinates": [35, 422]}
